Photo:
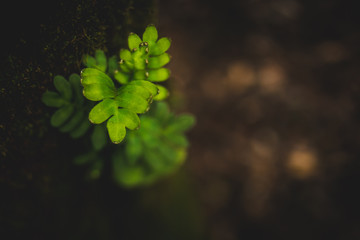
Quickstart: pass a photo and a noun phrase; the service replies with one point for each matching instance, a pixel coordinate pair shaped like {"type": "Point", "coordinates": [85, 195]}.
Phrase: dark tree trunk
{"type": "Point", "coordinates": [42, 196]}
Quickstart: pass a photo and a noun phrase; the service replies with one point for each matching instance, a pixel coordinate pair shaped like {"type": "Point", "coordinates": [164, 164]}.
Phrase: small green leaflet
{"type": "Point", "coordinates": [99, 61]}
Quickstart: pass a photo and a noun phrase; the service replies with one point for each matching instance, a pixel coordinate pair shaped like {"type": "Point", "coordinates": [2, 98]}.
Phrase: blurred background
{"type": "Point", "coordinates": [275, 88]}
{"type": "Point", "coordinates": [274, 85]}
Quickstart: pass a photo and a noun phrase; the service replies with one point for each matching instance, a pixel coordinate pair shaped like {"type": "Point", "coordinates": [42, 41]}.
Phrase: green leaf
{"type": "Point", "coordinates": [97, 85]}
{"type": "Point", "coordinates": [126, 66]}
{"type": "Point", "coordinates": [164, 44]}
{"type": "Point", "coordinates": [63, 86]}
{"type": "Point", "coordinates": [139, 63]}
{"type": "Point", "coordinates": [75, 83]}
{"type": "Point", "coordinates": [139, 75]}
{"type": "Point", "coordinates": [134, 41]}
{"type": "Point", "coordinates": [80, 130]}
{"type": "Point", "coordinates": [126, 175]}
{"type": "Point", "coordinates": [52, 99]}
{"type": "Point", "coordinates": [151, 141]}
{"type": "Point", "coordinates": [102, 111]}
{"type": "Point", "coordinates": [181, 123]}
{"type": "Point", "coordinates": [158, 61]}
{"type": "Point", "coordinates": [74, 121]}
{"type": "Point", "coordinates": [158, 75]}
{"type": "Point", "coordinates": [89, 61]}
{"type": "Point", "coordinates": [121, 77]}
{"type": "Point", "coordinates": [128, 118]}
{"type": "Point", "coordinates": [137, 60]}
{"type": "Point", "coordinates": [150, 125]}
{"type": "Point", "coordinates": [98, 137]}
{"type": "Point", "coordinates": [94, 76]}
{"type": "Point", "coordinates": [125, 55]}
{"type": "Point", "coordinates": [167, 152]}
{"type": "Point", "coordinates": [61, 115]}
{"type": "Point", "coordinates": [98, 92]}
{"type": "Point", "coordinates": [163, 93]}
{"type": "Point", "coordinates": [101, 60]}
{"type": "Point", "coordinates": [152, 157]}
{"type": "Point", "coordinates": [179, 140]}
{"type": "Point", "coordinates": [162, 112]}
{"type": "Point", "coordinates": [132, 102]}
{"type": "Point", "coordinates": [146, 84]}
{"type": "Point", "coordinates": [136, 90]}
{"type": "Point", "coordinates": [116, 129]}
{"type": "Point", "coordinates": [150, 34]}
{"type": "Point", "coordinates": [161, 46]}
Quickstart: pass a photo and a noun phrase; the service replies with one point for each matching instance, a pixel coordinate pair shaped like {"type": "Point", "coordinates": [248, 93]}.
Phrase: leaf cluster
{"type": "Point", "coordinates": [155, 150]}
{"type": "Point", "coordinates": [133, 90]}
{"type": "Point", "coordinates": [123, 89]}
{"type": "Point", "coordinates": [71, 115]}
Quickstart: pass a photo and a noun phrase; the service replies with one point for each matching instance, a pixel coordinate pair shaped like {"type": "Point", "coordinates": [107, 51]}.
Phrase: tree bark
{"type": "Point", "coordinates": [42, 191]}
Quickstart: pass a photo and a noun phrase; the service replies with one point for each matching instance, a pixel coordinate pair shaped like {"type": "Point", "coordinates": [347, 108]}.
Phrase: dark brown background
{"type": "Point", "coordinates": [273, 84]}
{"type": "Point", "coordinates": [275, 88]}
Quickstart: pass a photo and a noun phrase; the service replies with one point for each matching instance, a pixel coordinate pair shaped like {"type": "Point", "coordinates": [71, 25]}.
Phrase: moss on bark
{"type": "Point", "coordinates": [42, 40]}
